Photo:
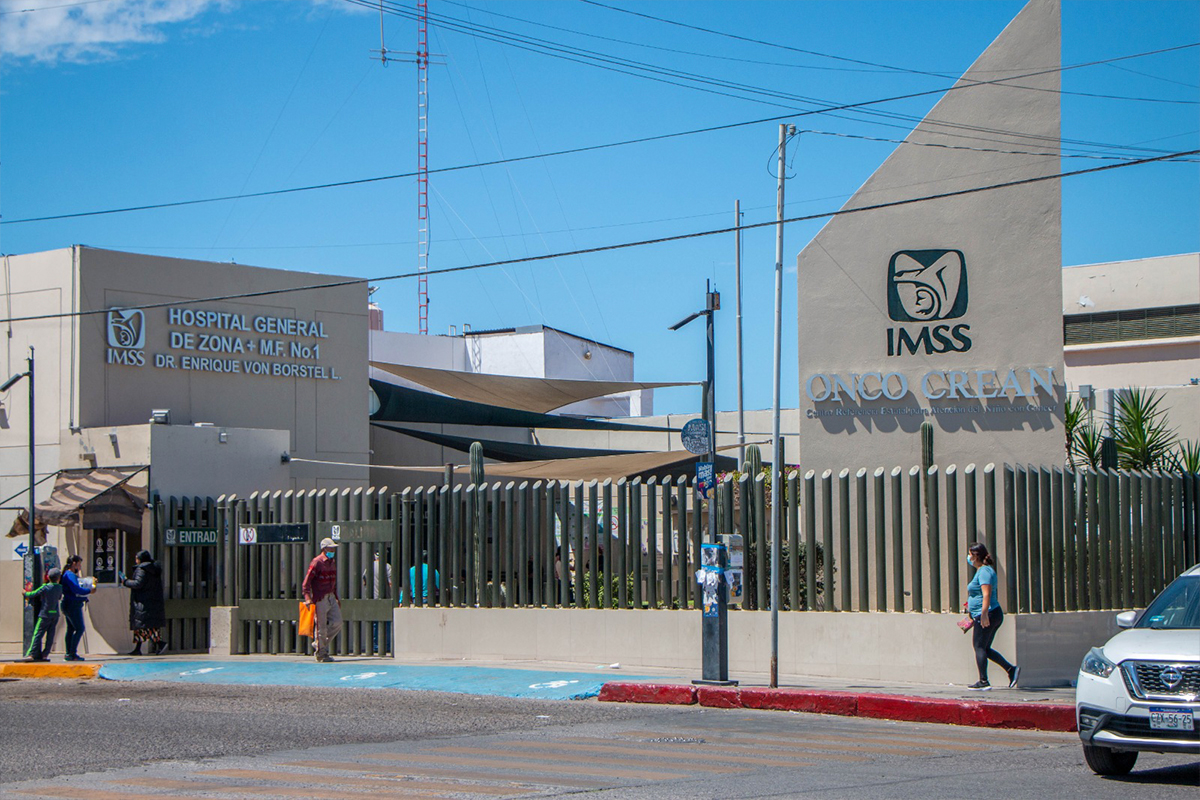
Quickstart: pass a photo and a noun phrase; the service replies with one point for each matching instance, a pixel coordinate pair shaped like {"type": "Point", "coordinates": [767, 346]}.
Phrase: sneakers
{"type": "Point", "coordinates": [70, 657]}
{"type": "Point", "coordinates": [980, 686]}
{"type": "Point", "coordinates": [159, 648]}
{"type": "Point", "coordinates": [1013, 675]}
{"type": "Point", "coordinates": [324, 659]}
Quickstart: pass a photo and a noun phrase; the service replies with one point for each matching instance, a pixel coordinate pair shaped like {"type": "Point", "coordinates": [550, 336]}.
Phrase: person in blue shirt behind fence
{"type": "Point", "coordinates": [412, 581]}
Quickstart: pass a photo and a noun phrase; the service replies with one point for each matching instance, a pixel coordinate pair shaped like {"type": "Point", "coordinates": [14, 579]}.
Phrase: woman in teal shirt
{"type": "Point", "coordinates": [981, 594]}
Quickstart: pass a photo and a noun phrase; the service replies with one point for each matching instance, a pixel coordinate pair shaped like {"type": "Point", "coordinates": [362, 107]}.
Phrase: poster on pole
{"type": "Point", "coordinates": [704, 479]}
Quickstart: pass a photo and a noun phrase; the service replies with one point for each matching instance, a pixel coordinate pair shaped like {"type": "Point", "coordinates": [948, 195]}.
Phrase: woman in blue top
{"type": "Point", "coordinates": [981, 595]}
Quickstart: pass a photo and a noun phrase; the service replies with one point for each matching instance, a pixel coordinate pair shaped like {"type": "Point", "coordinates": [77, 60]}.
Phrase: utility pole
{"type": "Point", "coordinates": [737, 272]}
{"type": "Point", "coordinates": [777, 465]}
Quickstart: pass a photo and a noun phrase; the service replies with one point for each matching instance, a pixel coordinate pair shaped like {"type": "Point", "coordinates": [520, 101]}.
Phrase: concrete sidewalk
{"type": "Point", "coordinates": [1023, 707]}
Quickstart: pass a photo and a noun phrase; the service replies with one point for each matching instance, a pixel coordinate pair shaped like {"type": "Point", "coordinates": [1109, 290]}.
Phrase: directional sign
{"type": "Point", "coordinates": [695, 435]}
{"type": "Point", "coordinates": [191, 537]}
{"type": "Point", "coordinates": [365, 530]}
{"type": "Point", "coordinates": [275, 533]}
{"type": "Point", "coordinates": [20, 550]}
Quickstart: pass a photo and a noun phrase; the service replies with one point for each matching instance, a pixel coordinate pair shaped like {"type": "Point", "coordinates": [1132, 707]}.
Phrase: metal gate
{"type": "Point", "coordinates": [274, 538]}
{"type": "Point", "coordinates": [188, 539]}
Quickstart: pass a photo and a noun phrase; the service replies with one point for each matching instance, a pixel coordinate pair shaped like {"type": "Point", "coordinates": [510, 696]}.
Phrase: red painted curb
{"type": "Point", "coordinates": [1031, 716]}
{"type": "Point", "coordinates": [843, 704]}
{"type": "Point", "coordinates": [719, 696]}
{"type": "Point", "coordinates": [663, 694]}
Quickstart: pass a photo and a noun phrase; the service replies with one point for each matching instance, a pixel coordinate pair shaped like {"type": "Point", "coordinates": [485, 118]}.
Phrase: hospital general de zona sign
{"type": "Point", "coordinates": [204, 340]}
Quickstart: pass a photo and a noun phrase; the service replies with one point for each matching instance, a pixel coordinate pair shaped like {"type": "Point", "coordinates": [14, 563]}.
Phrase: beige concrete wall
{"type": "Point", "coordinates": [312, 408]}
{"type": "Point", "coordinates": [917, 648]}
{"type": "Point", "coordinates": [1139, 283]}
{"type": "Point", "coordinates": [1010, 241]}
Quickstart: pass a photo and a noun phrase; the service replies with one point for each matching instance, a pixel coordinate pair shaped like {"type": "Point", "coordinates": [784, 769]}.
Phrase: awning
{"type": "Point", "coordinates": [671, 463]}
{"type": "Point", "coordinates": [501, 451]}
{"type": "Point", "coordinates": [527, 394]}
{"type": "Point", "coordinates": [94, 498]}
{"type": "Point", "coordinates": [406, 404]}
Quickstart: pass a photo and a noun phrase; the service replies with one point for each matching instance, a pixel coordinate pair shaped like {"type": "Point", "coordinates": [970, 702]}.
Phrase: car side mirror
{"type": "Point", "coordinates": [1126, 619]}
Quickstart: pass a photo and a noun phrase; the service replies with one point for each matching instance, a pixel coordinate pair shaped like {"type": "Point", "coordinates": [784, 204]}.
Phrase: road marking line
{"type": "Point", "coordinates": [381, 783]}
{"type": "Point", "coordinates": [687, 752]}
{"type": "Point", "coordinates": [567, 758]}
{"type": "Point", "coordinates": [386, 769]}
{"type": "Point", "coordinates": [533, 765]}
{"type": "Point", "coordinates": [784, 739]}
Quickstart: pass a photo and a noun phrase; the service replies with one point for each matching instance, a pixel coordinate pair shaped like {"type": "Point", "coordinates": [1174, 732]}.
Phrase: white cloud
{"type": "Point", "coordinates": [50, 31]}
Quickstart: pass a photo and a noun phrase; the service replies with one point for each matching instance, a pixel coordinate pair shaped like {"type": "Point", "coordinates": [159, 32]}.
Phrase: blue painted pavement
{"type": "Point", "coordinates": [461, 679]}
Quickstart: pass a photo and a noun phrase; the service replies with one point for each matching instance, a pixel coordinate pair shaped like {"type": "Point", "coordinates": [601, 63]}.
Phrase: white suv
{"type": "Point", "coordinates": [1141, 690]}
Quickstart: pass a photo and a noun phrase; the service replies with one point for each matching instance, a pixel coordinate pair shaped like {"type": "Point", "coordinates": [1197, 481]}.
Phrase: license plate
{"type": "Point", "coordinates": [1171, 719]}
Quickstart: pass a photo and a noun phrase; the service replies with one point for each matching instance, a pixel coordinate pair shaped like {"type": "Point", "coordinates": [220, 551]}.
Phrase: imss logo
{"type": "Point", "coordinates": [927, 286]}
{"type": "Point", "coordinates": [126, 337]}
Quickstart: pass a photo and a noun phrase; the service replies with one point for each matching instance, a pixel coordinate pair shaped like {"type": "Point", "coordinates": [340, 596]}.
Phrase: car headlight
{"type": "Point", "coordinates": [1094, 663]}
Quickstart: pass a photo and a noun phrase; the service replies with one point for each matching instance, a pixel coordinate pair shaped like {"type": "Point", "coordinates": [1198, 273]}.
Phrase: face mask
{"type": "Point", "coordinates": [970, 561]}
{"type": "Point", "coordinates": [330, 554]}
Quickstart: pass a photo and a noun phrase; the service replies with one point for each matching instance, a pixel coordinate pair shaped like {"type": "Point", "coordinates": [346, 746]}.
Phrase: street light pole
{"type": "Point", "coordinates": [32, 450]}
{"type": "Point", "coordinates": [737, 272]}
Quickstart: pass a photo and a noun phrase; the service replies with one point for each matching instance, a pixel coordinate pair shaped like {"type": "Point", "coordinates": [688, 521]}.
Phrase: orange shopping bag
{"type": "Point", "coordinates": [308, 619]}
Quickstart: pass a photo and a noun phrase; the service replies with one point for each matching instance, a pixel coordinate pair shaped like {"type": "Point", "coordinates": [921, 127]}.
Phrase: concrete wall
{"type": "Point", "coordinates": [917, 648]}
{"type": "Point", "coordinates": [1009, 297]}
{"type": "Point", "coordinates": [1140, 283]}
{"type": "Point", "coordinates": [311, 408]}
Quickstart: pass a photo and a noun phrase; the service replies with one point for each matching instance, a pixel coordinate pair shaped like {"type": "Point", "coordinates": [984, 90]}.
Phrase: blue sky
{"type": "Point", "coordinates": [115, 103]}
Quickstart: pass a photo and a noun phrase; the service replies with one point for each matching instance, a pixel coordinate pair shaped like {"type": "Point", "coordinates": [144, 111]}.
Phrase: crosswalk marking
{"type": "Point", "coordinates": [465, 774]}
{"type": "Point", "coordinates": [534, 764]}
{"type": "Point", "coordinates": [683, 752]}
{"type": "Point", "coordinates": [418, 784]}
{"type": "Point", "coordinates": [852, 742]}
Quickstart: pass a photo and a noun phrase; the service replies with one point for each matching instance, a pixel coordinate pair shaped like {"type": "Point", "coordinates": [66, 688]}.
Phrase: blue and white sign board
{"type": "Point", "coordinates": [705, 478]}
{"type": "Point", "coordinates": [695, 436]}
{"type": "Point", "coordinates": [19, 550]}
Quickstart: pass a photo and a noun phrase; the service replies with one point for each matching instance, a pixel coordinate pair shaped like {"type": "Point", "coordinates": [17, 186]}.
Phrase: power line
{"type": "Point", "coordinates": [556, 153]}
{"type": "Point", "coordinates": [619, 246]}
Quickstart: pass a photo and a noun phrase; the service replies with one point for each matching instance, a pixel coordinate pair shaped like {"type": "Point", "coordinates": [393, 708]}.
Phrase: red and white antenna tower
{"type": "Point", "coordinates": [423, 167]}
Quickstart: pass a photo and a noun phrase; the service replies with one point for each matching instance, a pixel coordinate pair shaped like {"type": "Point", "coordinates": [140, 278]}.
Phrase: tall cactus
{"type": "Point", "coordinates": [926, 446]}
{"type": "Point", "coordinates": [753, 463]}
{"type": "Point", "coordinates": [476, 463]}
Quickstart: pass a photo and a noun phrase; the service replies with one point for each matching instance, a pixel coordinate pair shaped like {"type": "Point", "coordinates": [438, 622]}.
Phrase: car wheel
{"type": "Point", "coordinates": [1106, 761]}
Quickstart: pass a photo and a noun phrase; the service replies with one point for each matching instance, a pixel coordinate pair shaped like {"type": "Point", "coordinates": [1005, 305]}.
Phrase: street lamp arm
{"type": "Point", "coordinates": [688, 319]}
{"type": "Point", "coordinates": [8, 384]}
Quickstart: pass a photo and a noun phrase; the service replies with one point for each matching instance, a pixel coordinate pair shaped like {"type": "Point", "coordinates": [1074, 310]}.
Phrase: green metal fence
{"type": "Point", "coordinates": [881, 540]}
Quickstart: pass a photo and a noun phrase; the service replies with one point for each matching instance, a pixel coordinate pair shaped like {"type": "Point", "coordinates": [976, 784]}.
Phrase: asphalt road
{"type": "Point", "coordinates": [129, 741]}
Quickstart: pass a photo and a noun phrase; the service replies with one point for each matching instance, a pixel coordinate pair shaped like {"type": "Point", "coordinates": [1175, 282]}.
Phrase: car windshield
{"type": "Point", "coordinates": [1177, 607]}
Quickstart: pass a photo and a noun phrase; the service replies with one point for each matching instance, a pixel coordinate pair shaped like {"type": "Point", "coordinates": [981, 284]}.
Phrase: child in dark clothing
{"type": "Point", "coordinates": [49, 594]}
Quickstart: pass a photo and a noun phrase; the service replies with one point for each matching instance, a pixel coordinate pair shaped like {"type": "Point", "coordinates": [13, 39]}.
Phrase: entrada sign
{"type": "Point", "coordinates": [191, 537]}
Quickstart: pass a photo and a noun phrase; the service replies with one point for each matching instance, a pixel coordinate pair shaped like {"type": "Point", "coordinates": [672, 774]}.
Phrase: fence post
{"type": "Point", "coordinates": [934, 533]}
{"type": "Point", "coordinates": [1035, 539]}
{"type": "Point", "coordinates": [914, 521]}
{"type": "Point", "coordinates": [864, 571]}
{"type": "Point", "coordinates": [810, 541]}
{"type": "Point", "coordinates": [1057, 556]}
{"type": "Point", "coordinates": [669, 528]}
{"type": "Point", "coordinates": [828, 594]}
{"type": "Point", "coordinates": [1010, 537]}
{"type": "Point", "coordinates": [652, 540]}
{"type": "Point", "coordinates": [565, 576]}
{"type": "Point", "coordinates": [847, 582]}
{"type": "Point", "coordinates": [897, 494]}
{"type": "Point", "coordinates": [622, 543]}
{"type": "Point", "coordinates": [604, 532]}
{"type": "Point", "coordinates": [793, 527]}
{"type": "Point", "coordinates": [635, 526]}
{"type": "Point", "coordinates": [953, 564]}
{"type": "Point", "coordinates": [1104, 536]}
{"type": "Point", "coordinates": [1047, 539]}
{"type": "Point", "coordinates": [760, 541]}
{"type": "Point", "coordinates": [881, 603]}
